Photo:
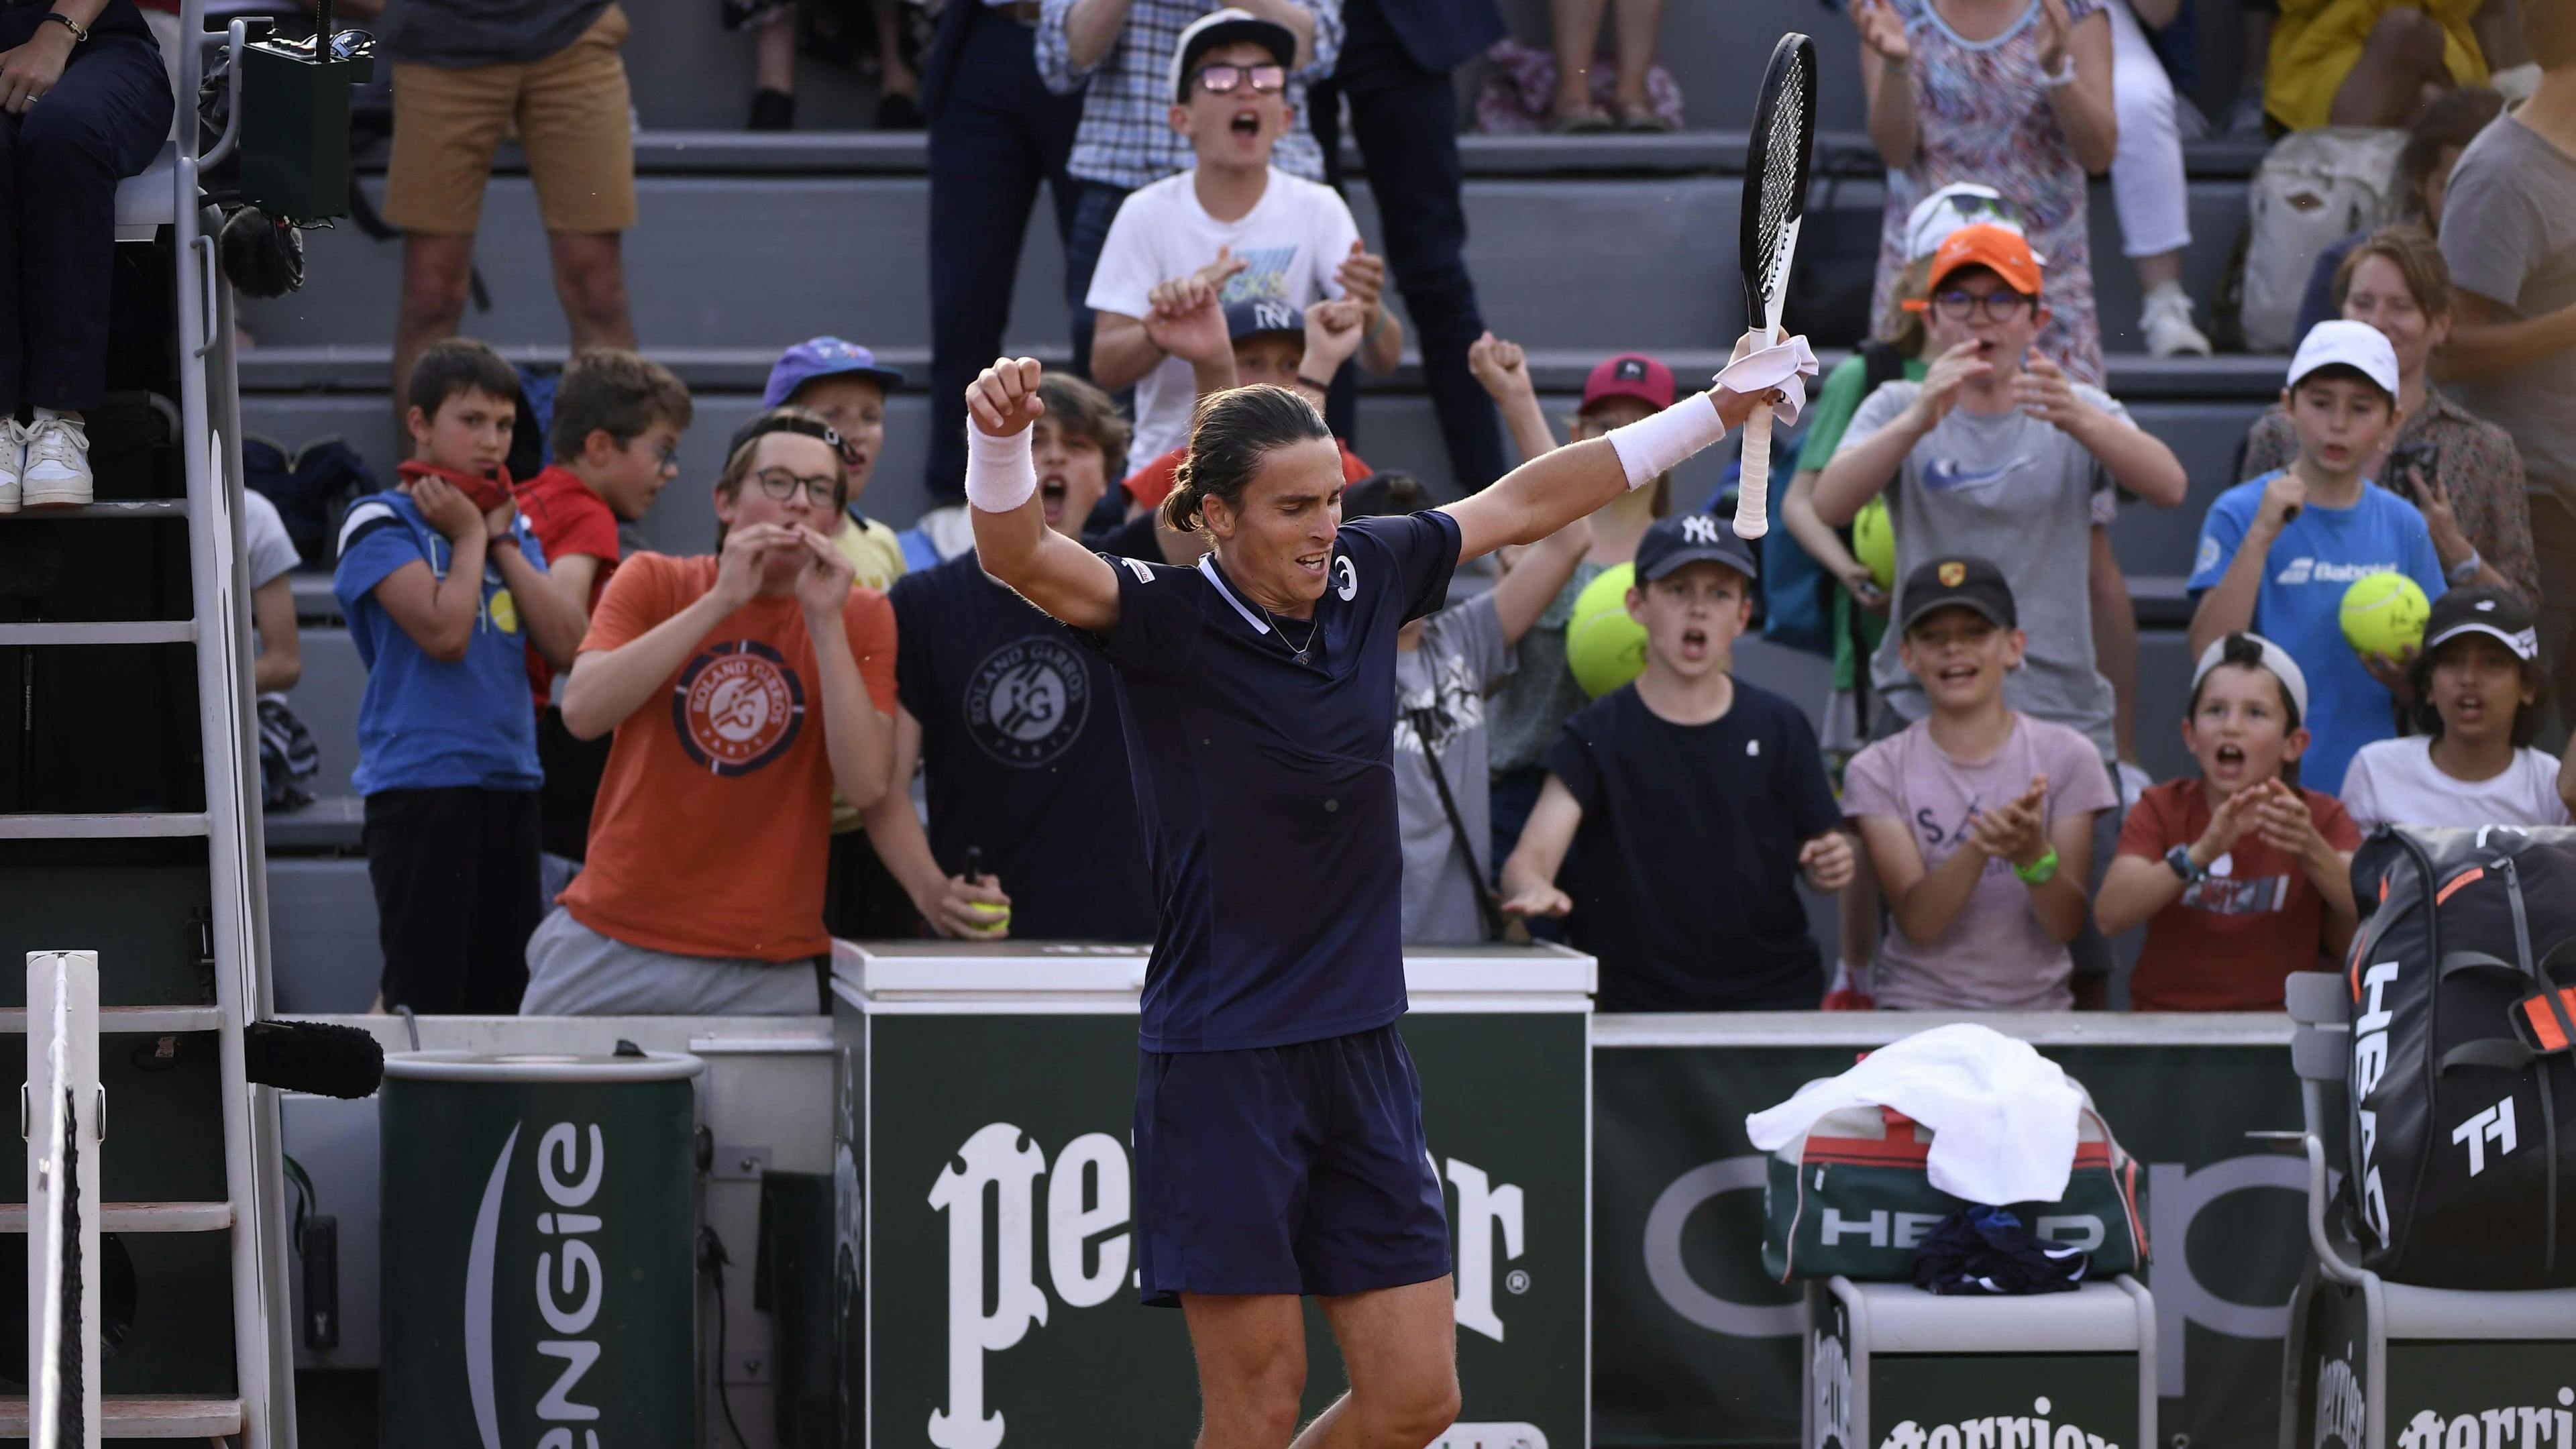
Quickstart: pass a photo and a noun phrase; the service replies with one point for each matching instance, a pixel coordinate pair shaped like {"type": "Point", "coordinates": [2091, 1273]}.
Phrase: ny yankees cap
{"type": "Point", "coordinates": [1225, 27]}
{"type": "Point", "coordinates": [824, 357]}
{"type": "Point", "coordinates": [1966, 582]}
{"type": "Point", "coordinates": [1675, 543]}
{"type": "Point", "coordinates": [1630, 374]}
{"type": "Point", "coordinates": [1257, 316]}
{"type": "Point", "coordinates": [2492, 612]}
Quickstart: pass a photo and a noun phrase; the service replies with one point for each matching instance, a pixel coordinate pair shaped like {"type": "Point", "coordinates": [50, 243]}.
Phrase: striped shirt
{"type": "Point", "coordinates": [1126, 138]}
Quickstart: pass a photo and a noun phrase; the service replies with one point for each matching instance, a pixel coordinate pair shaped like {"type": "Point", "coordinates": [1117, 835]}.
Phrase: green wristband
{"type": "Point", "coordinates": [2039, 872]}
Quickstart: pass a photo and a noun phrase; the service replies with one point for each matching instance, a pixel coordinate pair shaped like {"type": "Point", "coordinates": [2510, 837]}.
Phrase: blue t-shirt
{"type": "Point", "coordinates": [2300, 607]}
{"type": "Point", "coordinates": [1267, 788]}
{"type": "Point", "coordinates": [1022, 756]}
{"type": "Point", "coordinates": [424, 725]}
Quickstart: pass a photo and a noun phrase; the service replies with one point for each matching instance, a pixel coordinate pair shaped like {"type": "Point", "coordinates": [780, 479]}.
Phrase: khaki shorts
{"type": "Point", "coordinates": [572, 110]}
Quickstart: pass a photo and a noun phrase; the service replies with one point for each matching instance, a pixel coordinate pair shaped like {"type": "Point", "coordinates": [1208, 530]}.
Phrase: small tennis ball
{"type": "Point", "coordinates": [1874, 542]}
{"type": "Point", "coordinates": [1606, 593]}
{"type": "Point", "coordinates": [1605, 649]}
{"type": "Point", "coordinates": [2384, 614]}
{"type": "Point", "coordinates": [983, 909]}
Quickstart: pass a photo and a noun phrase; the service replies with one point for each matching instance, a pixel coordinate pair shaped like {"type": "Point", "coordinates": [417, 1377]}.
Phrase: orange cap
{"type": "Point", "coordinates": [2005, 252]}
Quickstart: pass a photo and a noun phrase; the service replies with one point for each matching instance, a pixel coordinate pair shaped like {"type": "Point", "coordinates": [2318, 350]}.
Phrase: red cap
{"type": "Point", "coordinates": [1630, 374]}
{"type": "Point", "coordinates": [2004, 252]}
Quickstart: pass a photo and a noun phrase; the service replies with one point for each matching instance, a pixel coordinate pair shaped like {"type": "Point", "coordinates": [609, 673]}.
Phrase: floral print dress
{"type": "Point", "coordinates": [1982, 116]}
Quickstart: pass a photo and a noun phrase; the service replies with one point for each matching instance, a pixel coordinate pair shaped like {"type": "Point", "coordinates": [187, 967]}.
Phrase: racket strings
{"type": "Point", "coordinates": [1784, 144]}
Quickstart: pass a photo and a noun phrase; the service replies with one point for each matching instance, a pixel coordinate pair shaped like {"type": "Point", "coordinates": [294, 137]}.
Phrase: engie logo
{"type": "Point", "coordinates": [988, 1192]}
{"type": "Point", "coordinates": [2340, 1415]}
{"type": "Point", "coordinates": [1833, 1386]}
{"type": "Point", "coordinates": [2005, 1432]}
{"type": "Point", "coordinates": [2528, 1426]}
{"type": "Point", "coordinates": [570, 1283]}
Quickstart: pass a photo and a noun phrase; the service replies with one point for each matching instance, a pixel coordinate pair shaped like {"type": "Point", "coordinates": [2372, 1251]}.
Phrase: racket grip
{"type": "Point", "coordinates": [1753, 484]}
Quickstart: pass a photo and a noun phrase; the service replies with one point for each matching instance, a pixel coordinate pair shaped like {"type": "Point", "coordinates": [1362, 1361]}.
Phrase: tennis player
{"type": "Point", "coordinates": [1279, 1144]}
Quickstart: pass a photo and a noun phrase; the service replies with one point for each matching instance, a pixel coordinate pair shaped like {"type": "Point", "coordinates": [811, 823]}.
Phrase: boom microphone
{"type": "Point", "coordinates": [319, 1057]}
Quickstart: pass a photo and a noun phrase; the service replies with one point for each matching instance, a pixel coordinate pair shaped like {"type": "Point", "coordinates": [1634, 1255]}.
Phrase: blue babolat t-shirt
{"type": "Point", "coordinates": [1267, 787]}
{"type": "Point", "coordinates": [2322, 553]}
{"type": "Point", "coordinates": [424, 725]}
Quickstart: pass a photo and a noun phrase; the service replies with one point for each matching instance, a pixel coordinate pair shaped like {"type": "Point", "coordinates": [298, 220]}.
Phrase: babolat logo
{"type": "Point", "coordinates": [2341, 1420]}
{"type": "Point", "coordinates": [2315, 571]}
{"type": "Point", "coordinates": [570, 1283]}
{"type": "Point", "coordinates": [2037, 1431]}
{"type": "Point", "coordinates": [988, 1192]}
{"type": "Point", "coordinates": [2369, 1064]}
{"type": "Point", "coordinates": [2529, 1426]}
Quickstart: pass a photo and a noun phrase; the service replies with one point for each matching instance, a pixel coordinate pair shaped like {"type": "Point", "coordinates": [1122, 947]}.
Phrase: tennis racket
{"type": "Point", "coordinates": [1775, 202]}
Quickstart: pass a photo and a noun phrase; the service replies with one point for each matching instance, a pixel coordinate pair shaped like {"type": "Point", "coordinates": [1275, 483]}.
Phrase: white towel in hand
{"type": "Point", "coordinates": [2003, 1117]}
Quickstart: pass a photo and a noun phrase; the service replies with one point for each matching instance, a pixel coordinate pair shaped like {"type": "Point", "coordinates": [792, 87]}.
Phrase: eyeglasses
{"type": "Point", "coordinates": [667, 458]}
{"type": "Point", "coordinates": [780, 484]}
{"type": "Point", "coordinates": [1221, 80]}
{"type": "Point", "coordinates": [1998, 306]}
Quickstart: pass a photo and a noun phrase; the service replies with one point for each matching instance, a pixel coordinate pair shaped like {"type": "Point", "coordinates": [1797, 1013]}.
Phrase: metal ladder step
{"type": "Point", "coordinates": [126, 508]}
{"type": "Point", "coordinates": [133, 1020]}
{"type": "Point", "coordinates": [140, 825]}
{"type": "Point", "coordinates": [145, 631]}
{"type": "Point", "coordinates": [145, 1416]}
{"type": "Point", "coordinates": [138, 1217]}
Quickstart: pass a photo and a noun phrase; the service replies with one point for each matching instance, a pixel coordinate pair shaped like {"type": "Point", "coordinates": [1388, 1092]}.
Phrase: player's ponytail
{"type": "Point", "coordinates": [1230, 434]}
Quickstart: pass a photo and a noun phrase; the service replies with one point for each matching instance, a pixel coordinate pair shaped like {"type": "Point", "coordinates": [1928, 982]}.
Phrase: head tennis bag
{"type": "Point", "coordinates": [2463, 1087]}
{"type": "Point", "coordinates": [1854, 1197]}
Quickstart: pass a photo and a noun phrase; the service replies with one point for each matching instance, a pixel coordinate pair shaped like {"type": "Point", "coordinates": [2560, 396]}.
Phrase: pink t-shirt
{"type": "Point", "coordinates": [1995, 956]}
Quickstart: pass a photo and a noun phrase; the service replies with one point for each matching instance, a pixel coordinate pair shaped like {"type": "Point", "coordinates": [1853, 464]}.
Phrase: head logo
{"type": "Point", "coordinates": [1027, 701]}
{"type": "Point", "coordinates": [578, 1279]}
{"type": "Point", "coordinates": [1699, 528]}
{"type": "Point", "coordinates": [1953, 574]}
{"type": "Point", "coordinates": [2369, 1063]}
{"type": "Point", "coordinates": [738, 707]}
{"type": "Point", "coordinates": [1346, 578]}
{"type": "Point", "coordinates": [2014, 1430]}
{"type": "Point", "coordinates": [2528, 1426]}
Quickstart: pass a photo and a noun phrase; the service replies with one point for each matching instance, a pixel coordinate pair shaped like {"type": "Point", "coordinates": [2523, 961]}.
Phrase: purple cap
{"type": "Point", "coordinates": [824, 357]}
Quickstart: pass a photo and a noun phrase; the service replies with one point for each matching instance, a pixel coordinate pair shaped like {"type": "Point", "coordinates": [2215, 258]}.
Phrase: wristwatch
{"type": "Point", "coordinates": [2039, 872]}
{"type": "Point", "coordinates": [2191, 871]}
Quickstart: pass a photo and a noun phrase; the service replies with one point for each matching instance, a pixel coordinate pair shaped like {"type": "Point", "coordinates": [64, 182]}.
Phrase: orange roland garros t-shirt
{"type": "Point", "coordinates": [715, 817]}
{"type": "Point", "coordinates": [2232, 938]}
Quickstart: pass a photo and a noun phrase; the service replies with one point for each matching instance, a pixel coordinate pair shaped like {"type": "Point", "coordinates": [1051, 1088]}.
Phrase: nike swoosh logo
{"type": "Point", "coordinates": [1946, 473]}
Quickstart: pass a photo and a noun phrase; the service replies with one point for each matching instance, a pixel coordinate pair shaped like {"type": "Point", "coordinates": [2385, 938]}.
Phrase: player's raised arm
{"type": "Point", "coordinates": [1552, 490]}
{"type": "Point", "coordinates": [1012, 540]}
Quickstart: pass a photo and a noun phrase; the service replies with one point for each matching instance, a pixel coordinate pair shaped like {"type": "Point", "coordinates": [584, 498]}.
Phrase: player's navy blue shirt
{"type": "Point", "coordinates": [1022, 756]}
{"type": "Point", "coordinates": [1267, 788]}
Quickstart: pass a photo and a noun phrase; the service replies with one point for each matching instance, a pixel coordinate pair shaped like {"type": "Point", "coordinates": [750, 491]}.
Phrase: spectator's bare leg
{"type": "Point", "coordinates": [1576, 25]}
{"type": "Point", "coordinates": [590, 277]}
{"type": "Point", "coordinates": [773, 55]}
{"type": "Point", "coordinates": [2115, 641]}
{"type": "Point", "coordinates": [1858, 909]}
{"type": "Point", "coordinates": [897, 79]}
{"type": "Point", "coordinates": [1641, 23]}
{"type": "Point", "coordinates": [2400, 61]}
{"type": "Point", "coordinates": [437, 270]}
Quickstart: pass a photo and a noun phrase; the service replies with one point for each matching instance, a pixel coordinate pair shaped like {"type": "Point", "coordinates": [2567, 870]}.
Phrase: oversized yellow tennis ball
{"type": "Point", "coordinates": [1874, 542]}
{"type": "Point", "coordinates": [2384, 614]}
{"type": "Point", "coordinates": [1604, 647]}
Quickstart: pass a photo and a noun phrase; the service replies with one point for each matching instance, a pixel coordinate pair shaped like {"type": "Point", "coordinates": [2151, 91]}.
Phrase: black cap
{"type": "Point", "coordinates": [2494, 612]}
{"type": "Point", "coordinates": [1226, 27]}
{"type": "Point", "coordinates": [1258, 316]}
{"type": "Point", "coordinates": [1969, 583]}
{"type": "Point", "coordinates": [1692, 538]}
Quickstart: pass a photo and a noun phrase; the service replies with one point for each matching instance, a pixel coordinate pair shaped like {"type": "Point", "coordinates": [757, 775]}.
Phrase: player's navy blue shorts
{"type": "Point", "coordinates": [1292, 1169]}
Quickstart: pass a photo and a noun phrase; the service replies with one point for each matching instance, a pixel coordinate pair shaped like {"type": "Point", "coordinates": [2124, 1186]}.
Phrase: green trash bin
{"type": "Point", "coordinates": [538, 1263]}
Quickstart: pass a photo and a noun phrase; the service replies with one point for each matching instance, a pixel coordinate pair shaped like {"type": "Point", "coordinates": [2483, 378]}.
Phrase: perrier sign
{"type": "Point", "coordinates": [988, 1099]}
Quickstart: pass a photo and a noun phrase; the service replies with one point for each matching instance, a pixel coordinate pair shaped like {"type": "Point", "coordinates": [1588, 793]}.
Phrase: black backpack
{"type": "Point", "coordinates": [2463, 1088]}
{"type": "Point", "coordinates": [311, 489]}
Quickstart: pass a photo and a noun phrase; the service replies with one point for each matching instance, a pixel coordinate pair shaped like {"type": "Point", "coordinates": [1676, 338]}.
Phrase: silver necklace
{"type": "Point", "coordinates": [1314, 626]}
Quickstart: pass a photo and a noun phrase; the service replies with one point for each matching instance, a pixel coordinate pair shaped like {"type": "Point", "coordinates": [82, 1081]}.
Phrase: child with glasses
{"type": "Point", "coordinates": [743, 690]}
{"type": "Point", "coordinates": [1234, 223]}
{"type": "Point", "coordinates": [616, 440]}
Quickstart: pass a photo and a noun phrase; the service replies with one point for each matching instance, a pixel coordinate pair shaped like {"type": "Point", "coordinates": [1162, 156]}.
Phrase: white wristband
{"type": "Point", "coordinates": [1651, 447]}
{"type": "Point", "coordinates": [2060, 78]}
{"type": "Point", "coordinates": [1000, 475]}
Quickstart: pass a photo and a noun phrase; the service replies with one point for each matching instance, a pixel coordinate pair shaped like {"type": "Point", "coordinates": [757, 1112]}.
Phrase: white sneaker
{"type": "Point", "coordinates": [2167, 323]}
{"type": "Point", "coordinates": [57, 473]}
{"type": "Point", "coordinates": [13, 462]}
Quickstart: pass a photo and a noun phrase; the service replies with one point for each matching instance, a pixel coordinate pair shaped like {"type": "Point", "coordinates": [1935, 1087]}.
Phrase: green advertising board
{"type": "Point", "coordinates": [1699, 1347]}
{"type": "Point", "coordinates": [987, 1103]}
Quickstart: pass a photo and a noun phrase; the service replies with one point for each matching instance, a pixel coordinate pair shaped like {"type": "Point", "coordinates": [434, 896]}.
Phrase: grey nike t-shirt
{"type": "Point", "coordinates": [2012, 489]}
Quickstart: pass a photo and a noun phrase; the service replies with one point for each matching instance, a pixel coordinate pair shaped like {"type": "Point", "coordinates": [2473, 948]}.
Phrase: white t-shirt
{"type": "Point", "coordinates": [1291, 242]}
{"type": "Point", "coordinates": [2395, 782]}
{"type": "Point", "coordinates": [267, 552]}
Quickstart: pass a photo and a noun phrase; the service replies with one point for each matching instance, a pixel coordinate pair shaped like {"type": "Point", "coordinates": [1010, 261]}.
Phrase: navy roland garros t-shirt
{"type": "Point", "coordinates": [1688, 886]}
{"type": "Point", "coordinates": [1267, 788]}
{"type": "Point", "coordinates": [1022, 756]}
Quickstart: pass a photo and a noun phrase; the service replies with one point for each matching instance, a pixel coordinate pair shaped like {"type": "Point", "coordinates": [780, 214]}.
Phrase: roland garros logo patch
{"type": "Point", "coordinates": [1027, 702]}
{"type": "Point", "coordinates": [738, 707]}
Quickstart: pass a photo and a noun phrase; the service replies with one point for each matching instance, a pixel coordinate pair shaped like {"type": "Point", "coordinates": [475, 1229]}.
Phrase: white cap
{"type": "Point", "coordinates": [1961, 203]}
{"type": "Point", "coordinates": [1221, 27]}
{"type": "Point", "coordinates": [2275, 658]}
{"type": "Point", "coordinates": [2338, 343]}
